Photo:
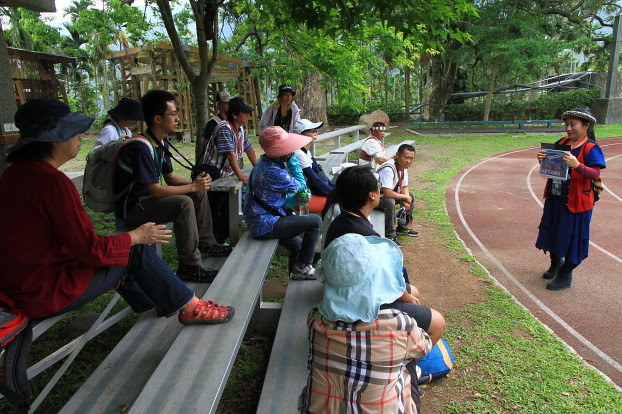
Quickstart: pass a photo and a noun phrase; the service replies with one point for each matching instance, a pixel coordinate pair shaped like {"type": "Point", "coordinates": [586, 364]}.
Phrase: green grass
{"type": "Point", "coordinates": [506, 361]}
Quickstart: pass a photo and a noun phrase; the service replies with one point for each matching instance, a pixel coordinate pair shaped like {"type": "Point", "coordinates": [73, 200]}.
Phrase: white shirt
{"type": "Point", "coordinates": [111, 133]}
{"type": "Point", "coordinates": [304, 158]}
{"type": "Point", "coordinates": [388, 179]}
{"type": "Point", "coordinates": [374, 149]}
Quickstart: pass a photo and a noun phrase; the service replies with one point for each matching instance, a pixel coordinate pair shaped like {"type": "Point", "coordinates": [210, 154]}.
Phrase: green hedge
{"type": "Point", "coordinates": [546, 106]}
{"type": "Point", "coordinates": [348, 114]}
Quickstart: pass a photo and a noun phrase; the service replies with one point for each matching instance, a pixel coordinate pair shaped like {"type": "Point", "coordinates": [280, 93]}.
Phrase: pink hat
{"type": "Point", "coordinates": [277, 142]}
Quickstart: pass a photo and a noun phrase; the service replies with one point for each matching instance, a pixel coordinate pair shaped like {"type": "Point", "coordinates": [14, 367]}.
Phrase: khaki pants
{"type": "Point", "coordinates": [191, 216]}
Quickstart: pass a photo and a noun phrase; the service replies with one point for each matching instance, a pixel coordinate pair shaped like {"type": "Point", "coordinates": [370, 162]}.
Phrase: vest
{"type": "Point", "coordinates": [365, 156]}
{"type": "Point", "coordinates": [580, 193]}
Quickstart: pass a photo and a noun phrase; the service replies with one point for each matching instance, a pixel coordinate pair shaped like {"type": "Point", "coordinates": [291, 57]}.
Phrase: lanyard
{"type": "Point", "coordinates": [158, 154]}
{"type": "Point", "coordinates": [353, 214]}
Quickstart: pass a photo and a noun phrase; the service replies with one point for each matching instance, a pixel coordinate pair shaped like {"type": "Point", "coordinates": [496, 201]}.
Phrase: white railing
{"type": "Point", "coordinates": [338, 133]}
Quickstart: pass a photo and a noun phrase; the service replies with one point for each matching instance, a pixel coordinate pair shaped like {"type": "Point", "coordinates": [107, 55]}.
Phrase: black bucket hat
{"type": "Point", "coordinates": [286, 89]}
{"type": "Point", "coordinates": [127, 110]}
{"type": "Point", "coordinates": [47, 120]}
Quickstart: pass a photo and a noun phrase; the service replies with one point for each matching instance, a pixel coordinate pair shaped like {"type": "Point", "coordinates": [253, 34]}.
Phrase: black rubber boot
{"type": "Point", "coordinates": [563, 279]}
{"type": "Point", "coordinates": [556, 264]}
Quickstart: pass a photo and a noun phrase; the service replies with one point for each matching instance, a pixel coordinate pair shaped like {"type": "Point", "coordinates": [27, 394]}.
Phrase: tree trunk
{"type": "Point", "coordinates": [311, 99]}
{"type": "Point", "coordinates": [201, 104]}
{"type": "Point", "coordinates": [407, 93]}
{"type": "Point", "coordinates": [425, 90]}
{"type": "Point", "coordinates": [490, 89]}
{"type": "Point", "coordinates": [105, 85]}
{"type": "Point", "coordinates": [443, 76]}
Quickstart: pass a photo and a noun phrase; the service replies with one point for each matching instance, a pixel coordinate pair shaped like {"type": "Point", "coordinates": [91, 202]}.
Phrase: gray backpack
{"type": "Point", "coordinates": [101, 162]}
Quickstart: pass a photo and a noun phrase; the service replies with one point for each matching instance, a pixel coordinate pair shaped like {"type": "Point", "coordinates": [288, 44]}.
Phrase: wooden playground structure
{"type": "Point", "coordinates": [154, 66]}
{"type": "Point", "coordinates": [33, 77]}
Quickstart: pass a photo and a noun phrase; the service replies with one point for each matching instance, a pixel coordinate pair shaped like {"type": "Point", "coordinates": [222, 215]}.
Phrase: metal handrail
{"type": "Point", "coordinates": [338, 133]}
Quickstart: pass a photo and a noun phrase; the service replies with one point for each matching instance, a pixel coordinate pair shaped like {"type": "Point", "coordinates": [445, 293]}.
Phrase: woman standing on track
{"type": "Point", "coordinates": [565, 225]}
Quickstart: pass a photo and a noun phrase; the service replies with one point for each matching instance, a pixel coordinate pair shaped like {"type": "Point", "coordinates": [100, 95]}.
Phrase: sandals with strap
{"type": "Point", "coordinates": [206, 312]}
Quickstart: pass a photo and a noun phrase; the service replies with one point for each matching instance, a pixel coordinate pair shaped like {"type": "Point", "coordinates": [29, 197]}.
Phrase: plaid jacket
{"type": "Point", "coordinates": [361, 367]}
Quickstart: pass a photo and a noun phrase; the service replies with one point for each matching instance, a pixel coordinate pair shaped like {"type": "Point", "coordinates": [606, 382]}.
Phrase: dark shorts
{"type": "Point", "coordinates": [422, 314]}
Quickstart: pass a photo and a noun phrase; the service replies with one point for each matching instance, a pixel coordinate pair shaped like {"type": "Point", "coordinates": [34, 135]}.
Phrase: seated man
{"type": "Point", "coordinates": [183, 202]}
{"type": "Point", "coordinates": [269, 185]}
{"type": "Point", "coordinates": [225, 151]}
{"type": "Point", "coordinates": [358, 193]}
{"type": "Point", "coordinates": [372, 150]}
{"type": "Point", "coordinates": [222, 106]}
{"type": "Point", "coordinates": [362, 356]}
{"type": "Point", "coordinates": [394, 185]}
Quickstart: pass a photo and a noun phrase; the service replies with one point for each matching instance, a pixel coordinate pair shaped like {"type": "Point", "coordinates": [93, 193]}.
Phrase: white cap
{"type": "Point", "coordinates": [305, 125]}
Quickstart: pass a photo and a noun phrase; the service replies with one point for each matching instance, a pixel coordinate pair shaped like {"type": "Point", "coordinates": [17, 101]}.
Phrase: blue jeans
{"type": "Point", "coordinates": [147, 282]}
{"type": "Point", "coordinates": [287, 230]}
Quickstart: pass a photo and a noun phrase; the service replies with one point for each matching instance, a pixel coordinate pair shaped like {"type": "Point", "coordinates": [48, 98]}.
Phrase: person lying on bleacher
{"type": "Point", "coordinates": [268, 187]}
{"type": "Point", "coordinates": [358, 193]}
{"type": "Point", "coordinates": [52, 259]}
{"type": "Point", "coordinates": [394, 187]}
{"type": "Point", "coordinates": [372, 150]}
{"type": "Point", "coordinates": [362, 357]}
{"type": "Point", "coordinates": [181, 201]}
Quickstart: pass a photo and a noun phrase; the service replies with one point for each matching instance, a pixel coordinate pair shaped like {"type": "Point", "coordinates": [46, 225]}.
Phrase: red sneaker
{"type": "Point", "coordinates": [206, 312]}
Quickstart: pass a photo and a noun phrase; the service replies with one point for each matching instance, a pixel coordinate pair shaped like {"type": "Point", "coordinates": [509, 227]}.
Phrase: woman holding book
{"type": "Point", "coordinates": [565, 224]}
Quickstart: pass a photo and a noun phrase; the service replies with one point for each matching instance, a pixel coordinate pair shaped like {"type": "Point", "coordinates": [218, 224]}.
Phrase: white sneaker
{"type": "Point", "coordinates": [303, 273]}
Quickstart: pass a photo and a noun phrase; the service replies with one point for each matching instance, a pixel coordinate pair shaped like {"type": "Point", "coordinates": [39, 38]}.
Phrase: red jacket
{"type": "Point", "coordinates": [48, 248]}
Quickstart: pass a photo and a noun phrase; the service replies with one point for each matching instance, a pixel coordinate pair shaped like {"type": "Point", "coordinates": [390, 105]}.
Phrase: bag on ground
{"type": "Point", "coordinates": [437, 363]}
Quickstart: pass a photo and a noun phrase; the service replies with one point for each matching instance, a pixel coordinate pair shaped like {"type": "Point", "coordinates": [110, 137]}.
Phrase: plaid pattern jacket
{"type": "Point", "coordinates": [361, 367]}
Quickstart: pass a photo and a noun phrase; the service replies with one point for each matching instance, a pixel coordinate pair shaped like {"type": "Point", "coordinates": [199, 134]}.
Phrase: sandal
{"type": "Point", "coordinates": [206, 312]}
{"type": "Point", "coordinates": [217, 250]}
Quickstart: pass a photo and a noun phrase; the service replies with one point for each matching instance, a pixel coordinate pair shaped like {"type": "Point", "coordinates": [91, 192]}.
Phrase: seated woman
{"type": "Point", "coordinates": [121, 119]}
{"type": "Point", "coordinates": [362, 357]}
{"type": "Point", "coordinates": [52, 260]}
{"type": "Point", "coordinates": [268, 186]}
{"type": "Point", "coordinates": [319, 184]}
{"type": "Point", "coordinates": [358, 192]}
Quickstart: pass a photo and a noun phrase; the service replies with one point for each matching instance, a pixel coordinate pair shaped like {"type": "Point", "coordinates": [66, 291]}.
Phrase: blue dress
{"type": "Point", "coordinates": [563, 233]}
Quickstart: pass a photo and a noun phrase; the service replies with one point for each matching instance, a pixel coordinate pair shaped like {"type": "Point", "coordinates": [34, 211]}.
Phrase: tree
{"type": "Point", "coordinates": [206, 24]}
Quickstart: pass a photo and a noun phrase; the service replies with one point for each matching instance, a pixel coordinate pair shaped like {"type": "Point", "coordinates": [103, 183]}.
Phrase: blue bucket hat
{"type": "Point", "coordinates": [360, 274]}
{"type": "Point", "coordinates": [47, 120]}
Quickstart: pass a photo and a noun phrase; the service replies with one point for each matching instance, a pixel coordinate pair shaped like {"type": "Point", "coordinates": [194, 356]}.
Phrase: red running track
{"type": "Point", "coordinates": [495, 207]}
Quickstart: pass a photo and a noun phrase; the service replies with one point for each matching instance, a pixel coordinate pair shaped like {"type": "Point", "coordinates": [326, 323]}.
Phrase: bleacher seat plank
{"type": "Point", "coordinates": [287, 369]}
{"type": "Point", "coordinates": [192, 375]}
{"type": "Point", "coordinates": [119, 379]}
{"type": "Point", "coordinates": [349, 148]}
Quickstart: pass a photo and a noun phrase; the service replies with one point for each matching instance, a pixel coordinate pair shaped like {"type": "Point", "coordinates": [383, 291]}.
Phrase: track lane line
{"type": "Point", "coordinates": [613, 363]}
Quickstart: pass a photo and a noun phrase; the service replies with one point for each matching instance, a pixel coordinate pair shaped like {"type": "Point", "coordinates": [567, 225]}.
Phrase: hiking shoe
{"type": "Point", "coordinates": [196, 273]}
{"type": "Point", "coordinates": [216, 250]}
{"type": "Point", "coordinates": [206, 312]}
{"type": "Point", "coordinates": [407, 232]}
{"type": "Point", "coordinates": [306, 272]}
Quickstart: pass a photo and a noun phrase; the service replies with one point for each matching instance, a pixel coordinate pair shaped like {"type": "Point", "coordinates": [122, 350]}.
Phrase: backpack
{"type": "Point", "coordinates": [101, 162]}
{"type": "Point", "coordinates": [437, 363]}
{"type": "Point", "coordinates": [15, 340]}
